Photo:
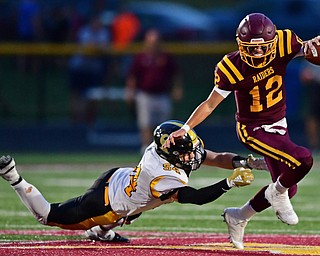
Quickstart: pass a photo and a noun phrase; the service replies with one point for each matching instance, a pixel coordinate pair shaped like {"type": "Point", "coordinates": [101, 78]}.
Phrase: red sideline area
{"type": "Point", "coordinates": [159, 243]}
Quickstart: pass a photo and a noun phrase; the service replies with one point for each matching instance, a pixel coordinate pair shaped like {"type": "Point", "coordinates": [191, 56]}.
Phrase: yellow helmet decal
{"type": "Point", "coordinates": [163, 139]}
{"type": "Point", "coordinates": [191, 133]}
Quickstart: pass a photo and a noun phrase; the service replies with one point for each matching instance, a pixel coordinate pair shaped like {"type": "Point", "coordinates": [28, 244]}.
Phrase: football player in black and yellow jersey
{"type": "Point", "coordinates": [119, 195]}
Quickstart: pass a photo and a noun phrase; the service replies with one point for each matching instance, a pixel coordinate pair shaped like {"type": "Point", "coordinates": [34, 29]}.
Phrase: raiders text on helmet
{"type": "Point", "coordinates": [257, 31]}
{"type": "Point", "coordinates": [189, 143]}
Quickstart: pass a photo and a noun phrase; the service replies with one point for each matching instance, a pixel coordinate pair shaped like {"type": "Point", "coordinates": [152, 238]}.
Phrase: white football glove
{"type": "Point", "coordinates": [256, 163]}
{"type": "Point", "coordinates": [309, 45]}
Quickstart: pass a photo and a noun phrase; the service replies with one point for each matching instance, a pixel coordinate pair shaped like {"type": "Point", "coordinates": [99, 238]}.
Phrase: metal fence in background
{"type": "Point", "coordinates": [35, 103]}
{"type": "Point", "coordinates": [39, 90]}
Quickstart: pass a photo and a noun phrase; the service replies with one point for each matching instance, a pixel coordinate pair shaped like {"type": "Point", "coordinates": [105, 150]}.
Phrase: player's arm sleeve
{"type": "Point", "coordinates": [223, 93]}
{"type": "Point", "coordinates": [290, 44]}
{"type": "Point", "coordinates": [189, 195]}
{"type": "Point", "coordinates": [221, 82]}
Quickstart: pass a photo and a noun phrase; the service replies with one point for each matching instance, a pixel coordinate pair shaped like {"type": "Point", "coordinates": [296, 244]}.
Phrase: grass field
{"type": "Point", "coordinates": [60, 177]}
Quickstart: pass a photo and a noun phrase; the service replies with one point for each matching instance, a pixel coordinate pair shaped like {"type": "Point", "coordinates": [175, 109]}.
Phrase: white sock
{"type": "Point", "coordinates": [33, 200]}
{"type": "Point", "coordinates": [279, 187]}
{"type": "Point", "coordinates": [246, 211]}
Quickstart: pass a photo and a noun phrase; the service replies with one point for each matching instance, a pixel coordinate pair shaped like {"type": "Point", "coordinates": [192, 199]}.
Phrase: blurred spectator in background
{"type": "Point", "coordinates": [29, 29]}
{"type": "Point", "coordinates": [56, 24]}
{"type": "Point", "coordinates": [310, 77]}
{"type": "Point", "coordinates": [125, 27]}
{"type": "Point", "coordinates": [56, 29]}
{"type": "Point", "coordinates": [88, 71]}
{"type": "Point", "coordinates": [76, 21]}
{"type": "Point", "coordinates": [29, 20]}
{"type": "Point", "coordinates": [153, 80]}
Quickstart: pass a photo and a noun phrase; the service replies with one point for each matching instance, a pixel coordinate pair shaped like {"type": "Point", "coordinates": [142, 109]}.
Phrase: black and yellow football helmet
{"type": "Point", "coordinates": [257, 30]}
{"type": "Point", "coordinates": [189, 143]}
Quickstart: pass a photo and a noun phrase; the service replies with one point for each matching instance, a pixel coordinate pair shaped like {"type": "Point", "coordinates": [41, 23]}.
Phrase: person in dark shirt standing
{"type": "Point", "coordinates": [154, 80]}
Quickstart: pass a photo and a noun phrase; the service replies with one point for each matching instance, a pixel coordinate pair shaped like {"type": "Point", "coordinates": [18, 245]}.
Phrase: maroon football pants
{"type": "Point", "coordinates": [284, 158]}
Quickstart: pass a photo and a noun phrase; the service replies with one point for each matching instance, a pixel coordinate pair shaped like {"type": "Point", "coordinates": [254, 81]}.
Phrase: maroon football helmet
{"type": "Point", "coordinates": [257, 40]}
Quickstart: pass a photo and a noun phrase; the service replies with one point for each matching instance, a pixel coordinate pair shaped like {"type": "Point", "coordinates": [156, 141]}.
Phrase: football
{"type": "Point", "coordinates": [313, 55]}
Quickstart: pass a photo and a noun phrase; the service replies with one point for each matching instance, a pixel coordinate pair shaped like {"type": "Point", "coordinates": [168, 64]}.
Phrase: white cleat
{"type": "Point", "coordinates": [96, 234]}
{"type": "Point", "coordinates": [8, 170]}
{"type": "Point", "coordinates": [281, 204]}
{"type": "Point", "coordinates": [236, 226]}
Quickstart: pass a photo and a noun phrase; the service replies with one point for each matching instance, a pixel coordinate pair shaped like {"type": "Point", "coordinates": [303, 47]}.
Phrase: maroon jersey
{"type": "Point", "coordinates": [154, 73]}
{"type": "Point", "coordinates": [260, 93]}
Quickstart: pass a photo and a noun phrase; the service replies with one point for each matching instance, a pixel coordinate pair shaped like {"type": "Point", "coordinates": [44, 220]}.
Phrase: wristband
{"type": "Point", "coordinates": [186, 128]}
{"type": "Point", "coordinates": [239, 161]}
{"type": "Point", "coordinates": [229, 183]}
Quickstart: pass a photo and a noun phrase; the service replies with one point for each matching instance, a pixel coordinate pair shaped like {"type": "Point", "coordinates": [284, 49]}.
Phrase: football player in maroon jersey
{"type": "Point", "coordinates": [255, 73]}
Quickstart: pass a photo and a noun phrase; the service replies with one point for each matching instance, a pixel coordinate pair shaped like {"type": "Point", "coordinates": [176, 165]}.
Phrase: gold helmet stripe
{"type": "Point", "coordinates": [191, 133]}
{"type": "Point", "coordinates": [176, 123]}
{"type": "Point", "coordinates": [233, 68]}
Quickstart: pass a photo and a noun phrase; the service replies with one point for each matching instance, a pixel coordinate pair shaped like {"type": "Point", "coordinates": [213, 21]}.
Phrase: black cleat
{"type": "Point", "coordinates": [120, 239]}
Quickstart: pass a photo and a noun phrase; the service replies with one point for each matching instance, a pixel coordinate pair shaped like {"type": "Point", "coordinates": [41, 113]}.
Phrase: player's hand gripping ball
{"type": "Point", "coordinates": [312, 50]}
